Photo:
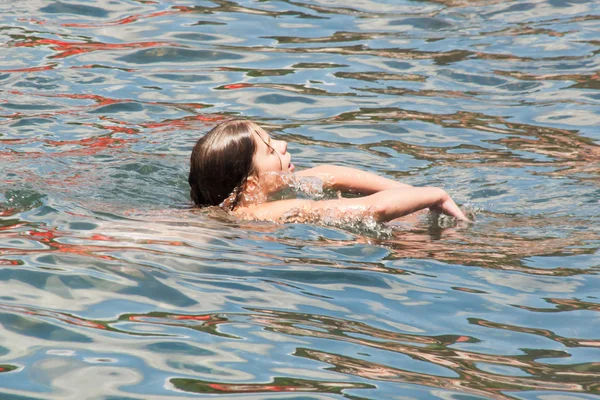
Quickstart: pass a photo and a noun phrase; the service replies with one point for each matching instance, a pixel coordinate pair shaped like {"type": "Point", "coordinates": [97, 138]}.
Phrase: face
{"type": "Point", "coordinates": [270, 160]}
{"type": "Point", "coordinates": [271, 155]}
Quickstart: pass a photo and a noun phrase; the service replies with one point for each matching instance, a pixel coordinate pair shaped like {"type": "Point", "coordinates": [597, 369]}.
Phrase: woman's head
{"type": "Point", "coordinates": [231, 156]}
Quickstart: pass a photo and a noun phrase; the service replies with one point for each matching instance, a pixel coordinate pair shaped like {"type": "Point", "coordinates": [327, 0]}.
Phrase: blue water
{"type": "Point", "coordinates": [111, 287]}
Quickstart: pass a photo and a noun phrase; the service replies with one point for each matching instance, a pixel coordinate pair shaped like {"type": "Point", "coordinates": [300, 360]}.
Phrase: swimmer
{"type": "Point", "coordinates": [238, 166]}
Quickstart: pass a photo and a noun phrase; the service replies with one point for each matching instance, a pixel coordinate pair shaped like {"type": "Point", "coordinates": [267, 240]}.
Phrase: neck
{"type": "Point", "coordinates": [259, 191]}
{"type": "Point", "coordinates": [250, 198]}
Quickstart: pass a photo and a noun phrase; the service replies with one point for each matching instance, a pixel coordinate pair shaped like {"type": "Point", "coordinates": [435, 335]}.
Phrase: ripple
{"type": "Point", "coordinates": [76, 9]}
{"type": "Point", "coordinates": [110, 277]}
{"type": "Point", "coordinates": [428, 24]}
{"type": "Point", "coordinates": [173, 54]}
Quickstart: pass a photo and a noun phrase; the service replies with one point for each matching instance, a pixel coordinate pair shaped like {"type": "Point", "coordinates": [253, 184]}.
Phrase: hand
{"type": "Point", "coordinates": [449, 207]}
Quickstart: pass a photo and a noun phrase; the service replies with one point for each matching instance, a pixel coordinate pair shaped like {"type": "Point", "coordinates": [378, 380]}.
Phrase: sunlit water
{"type": "Point", "coordinates": [112, 288]}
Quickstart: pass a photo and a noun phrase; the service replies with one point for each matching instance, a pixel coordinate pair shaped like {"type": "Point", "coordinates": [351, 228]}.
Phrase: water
{"type": "Point", "coordinates": [111, 288]}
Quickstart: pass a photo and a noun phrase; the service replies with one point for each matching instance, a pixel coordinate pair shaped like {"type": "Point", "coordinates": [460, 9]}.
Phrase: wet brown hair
{"type": "Point", "coordinates": [221, 162]}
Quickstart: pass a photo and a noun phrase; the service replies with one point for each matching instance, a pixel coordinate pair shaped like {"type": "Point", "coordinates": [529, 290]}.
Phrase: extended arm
{"type": "Point", "coordinates": [384, 206]}
{"type": "Point", "coordinates": [351, 180]}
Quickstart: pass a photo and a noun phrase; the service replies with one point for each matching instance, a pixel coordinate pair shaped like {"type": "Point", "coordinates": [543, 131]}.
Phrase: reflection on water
{"type": "Point", "coordinates": [113, 287]}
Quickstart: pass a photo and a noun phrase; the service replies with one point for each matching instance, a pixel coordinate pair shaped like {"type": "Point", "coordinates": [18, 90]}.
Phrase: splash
{"type": "Point", "coordinates": [308, 186]}
{"type": "Point", "coordinates": [357, 219]}
{"type": "Point", "coordinates": [282, 186]}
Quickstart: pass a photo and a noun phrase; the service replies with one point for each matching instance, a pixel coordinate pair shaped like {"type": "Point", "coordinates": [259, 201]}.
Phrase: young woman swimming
{"type": "Point", "coordinates": [238, 166]}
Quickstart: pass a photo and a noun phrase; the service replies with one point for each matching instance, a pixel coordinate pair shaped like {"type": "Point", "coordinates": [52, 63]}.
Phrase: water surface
{"type": "Point", "coordinates": [112, 288]}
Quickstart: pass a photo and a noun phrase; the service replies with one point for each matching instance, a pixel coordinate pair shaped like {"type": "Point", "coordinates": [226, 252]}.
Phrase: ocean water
{"type": "Point", "coordinates": [111, 287]}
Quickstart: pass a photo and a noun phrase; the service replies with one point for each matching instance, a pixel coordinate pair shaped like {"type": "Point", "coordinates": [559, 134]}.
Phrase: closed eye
{"type": "Point", "coordinates": [271, 150]}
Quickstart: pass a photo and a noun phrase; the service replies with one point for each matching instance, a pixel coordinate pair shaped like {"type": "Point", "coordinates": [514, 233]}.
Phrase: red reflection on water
{"type": "Point", "coordinates": [7, 212]}
{"type": "Point", "coordinates": [68, 318]}
{"type": "Point", "coordinates": [120, 129]}
{"type": "Point", "coordinates": [100, 100]}
{"type": "Point", "coordinates": [184, 122]}
{"type": "Point", "coordinates": [203, 320]}
{"type": "Point", "coordinates": [90, 66]}
{"type": "Point", "coordinates": [92, 145]}
{"type": "Point", "coordinates": [237, 86]}
{"type": "Point", "coordinates": [12, 226]}
{"type": "Point", "coordinates": [49, 238]}
{"type": "Point", "coordinates": [191, 317]}
{"type": "Point", "coordinates": [80, 249]}
{"type": "Point", "coordinates": [101, 237]}
{"type": "Point", "coordinates": [30, 69]}
{"type": "Point", "coordinates": [253, 388]}
{"type": "Point", "coordinates": [45, 236]}
{"type": "Point", "coordinates": [67, 49]}
{"type": "Point", "coordinates": [33, 21]}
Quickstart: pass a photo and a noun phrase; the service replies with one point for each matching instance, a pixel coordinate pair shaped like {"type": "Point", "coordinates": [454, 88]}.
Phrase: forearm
{"type": "Point", "coordinates": [396, 203]}
{"type": "Point", "coordinates": [383, 206]}
{"type": "Point", "coordinates": [352, 180]}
